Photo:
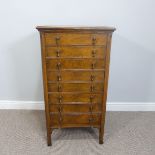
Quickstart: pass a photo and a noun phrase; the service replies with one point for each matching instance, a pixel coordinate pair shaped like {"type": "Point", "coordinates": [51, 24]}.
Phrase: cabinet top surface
{"type": "Point", "coordinates": [100, 28]}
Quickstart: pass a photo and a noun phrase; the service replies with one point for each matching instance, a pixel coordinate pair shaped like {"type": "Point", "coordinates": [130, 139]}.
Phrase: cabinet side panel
{"type": "Point", "coordinates": [107, 62]}
{"type": "Point", "coordinates": [43, 54]}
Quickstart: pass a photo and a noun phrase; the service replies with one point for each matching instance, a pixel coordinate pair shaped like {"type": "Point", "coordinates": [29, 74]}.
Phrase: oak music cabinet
{"type": "Point", "coordinates": [75, 64]}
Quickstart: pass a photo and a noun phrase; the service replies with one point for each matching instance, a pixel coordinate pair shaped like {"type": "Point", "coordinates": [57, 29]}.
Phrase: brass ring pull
{"type": "Point", "coordinates": [93, 53]}
{"type": "Point", "coordinates": [91, 98]}
{"type": "Point", "coordinates": [59, 77]}
{"type": "Point", "coordinates": [59, 88]}
{"type": "Point", "coordinates": [94, 40]}
{"type": "Point", "coordinates": [60, 109]}
{"type": "Point", "coordinates": [58, 65]}
{"type": "Point", "coordinates": [60, 118]}
{"type": "Point", "coordinates": [93, 65]}
{"type": "Point", "coordinates": [91, 120]}
{"type": "Point", "coordinates": [92, 88]}
{"type": "Point", "coordinates": [92, 77]}
{"type": "Point", "coordinates": [91, 108]}
{"type": "Point", "coordinates": [60, 99]}
{"type": "Point", "coordinates": [58, 53]}
{"type": "Point", "coordinates": [57, 39]}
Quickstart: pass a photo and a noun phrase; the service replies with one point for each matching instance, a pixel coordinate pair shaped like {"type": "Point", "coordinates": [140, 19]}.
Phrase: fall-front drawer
{"type": "Point", "coordinates": [55, 39]}
{"type": "Point", "coordinates": [71, 120]}
{"type": "Point", "coordinates": [75, 87]}
{"type": "Point", "coordinates": [75, 64]}
{"type": "Point", "coordinates": [76, 51]}
{"type": "Point", "coordinates": [75, 75]}
{"type": "Point", "coordinates": [74, 97]}
{"type": "Point", "coordinates": [74, 108]}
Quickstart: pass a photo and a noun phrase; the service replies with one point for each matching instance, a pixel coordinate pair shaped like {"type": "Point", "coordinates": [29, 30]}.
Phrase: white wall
{"type": "Point", "coordinates": [132, 74]}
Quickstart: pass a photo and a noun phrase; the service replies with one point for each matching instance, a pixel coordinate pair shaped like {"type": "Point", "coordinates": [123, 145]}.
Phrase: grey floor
{"type": "Point", "coordinates": [126, 133]}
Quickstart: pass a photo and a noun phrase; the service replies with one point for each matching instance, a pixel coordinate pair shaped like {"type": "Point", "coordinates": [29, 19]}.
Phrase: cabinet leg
{"type": "Point", "coordinates": [49, 143]}
{"type": "Point", "coordinates": [100, 135]}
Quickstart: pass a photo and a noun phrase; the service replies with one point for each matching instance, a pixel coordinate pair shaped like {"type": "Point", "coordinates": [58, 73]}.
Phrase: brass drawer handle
{"type": "Point", "coordinates": [57, 39]}
{"type": "Point", "coordinates": [60, 118]}
{"type": "Point", "coordinates": [91, 120]}
{"type": "Point", "coordinates": [58, 65]}
{"type": "Point", "coordinates": [93, 53]}
{"type": "Point", "coordinates": [91, 108]}
{"type": "Point", "coordinates": [60, 99]}
{"type": "Point", "coordinates": [59, 88]}
{"type": "Point", "coordinates": [92, 77]}
{"type": "Point", "coordinates": [59, 77]}
{"type": "Point", "coordinates": [58, 53]}
{"type": "Point", "coordinates": [91, 98]}
{"type": "Point", "coordinates": [94, 40]}
{"type": "Point", "coordinates": [92, 88]}
{"type": "Point", "coordinates": [93, 65]}
{"type": "Point", "coordinates": [60, 109]}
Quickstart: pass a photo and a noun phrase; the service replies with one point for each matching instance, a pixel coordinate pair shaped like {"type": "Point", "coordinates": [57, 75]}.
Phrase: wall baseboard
{"type": "Point", "coordinates": [25, 105]}
{"type": "Point", "coordinates": [111, 106]}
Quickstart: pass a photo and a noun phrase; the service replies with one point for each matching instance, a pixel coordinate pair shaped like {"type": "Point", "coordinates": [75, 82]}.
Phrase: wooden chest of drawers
{"type": "Point", "coordinates": [75, 62]}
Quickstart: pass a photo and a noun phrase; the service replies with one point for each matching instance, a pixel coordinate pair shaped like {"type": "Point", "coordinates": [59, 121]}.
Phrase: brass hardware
{"type": "Point", "coordinates": [59, 88]}
{"type": "Point", "coordinates": [91, 98]}
{"type": "Point", "coordinates": [91, 108]}
{"type": "Point", "coordinates": [93, 40]}
{"type": "Point", "coordinates": [93, 65]}
{"type": "Point", "coordinates": [60, 99]}
{"type": "Point", "coordinates": [92, 88]}
{"type": "Point", "coordinates": [58, 53]}
{"type": "Point", "coordinates": [60, 118]}
{"type": "Point", "coordinates": [57, 39]}
{"type": "Point", "coordinates": [59, 77]}
{"type": "Point", "coordinates": [93, 53]}
{"type": "Point", "coordinates": [60, 109]}
{"type": "Point", "coordinates": [91, 120]}
{"type": "Point", "coordinates": [92, 77]}
{"type": "Point", "coordinates": [58, 65]}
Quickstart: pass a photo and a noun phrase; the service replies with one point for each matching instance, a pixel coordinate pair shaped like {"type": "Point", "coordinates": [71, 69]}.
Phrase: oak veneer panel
{"type": "Point", "coordinates": [75, 97]}
{"type": "Point", "coordinates": [75, 75]}
{"type": "Point", "coordinates": [74, 39]}
{"type": "Point", "coordinates": [75, 63]}
{"type": "Point", "coordinates": [76, 52]}
{"type": "Point", "coordinates": [76, 108]}
{"type": "Point", "coordinates": [75, 87]}
{"type": "Point", "coordinates": [74, 120]}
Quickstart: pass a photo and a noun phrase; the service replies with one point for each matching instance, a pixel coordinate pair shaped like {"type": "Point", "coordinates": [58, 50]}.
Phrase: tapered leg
{"type": "Point", "coordinates": [49, 143]}
{"type": "Point", "coordinates": [101, 135]}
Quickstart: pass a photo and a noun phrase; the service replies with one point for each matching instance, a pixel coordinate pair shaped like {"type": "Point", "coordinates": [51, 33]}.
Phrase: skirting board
{"type": "Point", "coordinates": [111, 106]}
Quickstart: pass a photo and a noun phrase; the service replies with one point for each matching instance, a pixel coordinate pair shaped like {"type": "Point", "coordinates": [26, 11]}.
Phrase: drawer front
{"type": "Point", "coordinates": [75, 76]}
{"type": "Point", "coordinates": [74, 108]}
{"type": "Point", "coordinates": [54, 98]}
{"type": "Point", "coordinates": [75, 64]}
{"type": "Point", "coordinates": [60, 39]}
{"type": "Point", "coordinates": [76, 51]}
{"type": "Point", "coordinates": [75, 87]}
{"type": "Point", "coordinates": [75, 120]}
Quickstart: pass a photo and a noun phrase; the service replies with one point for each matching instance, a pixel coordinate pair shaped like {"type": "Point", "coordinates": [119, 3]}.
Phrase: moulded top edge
{"type": "Point", "coordinates": [97, 28]}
